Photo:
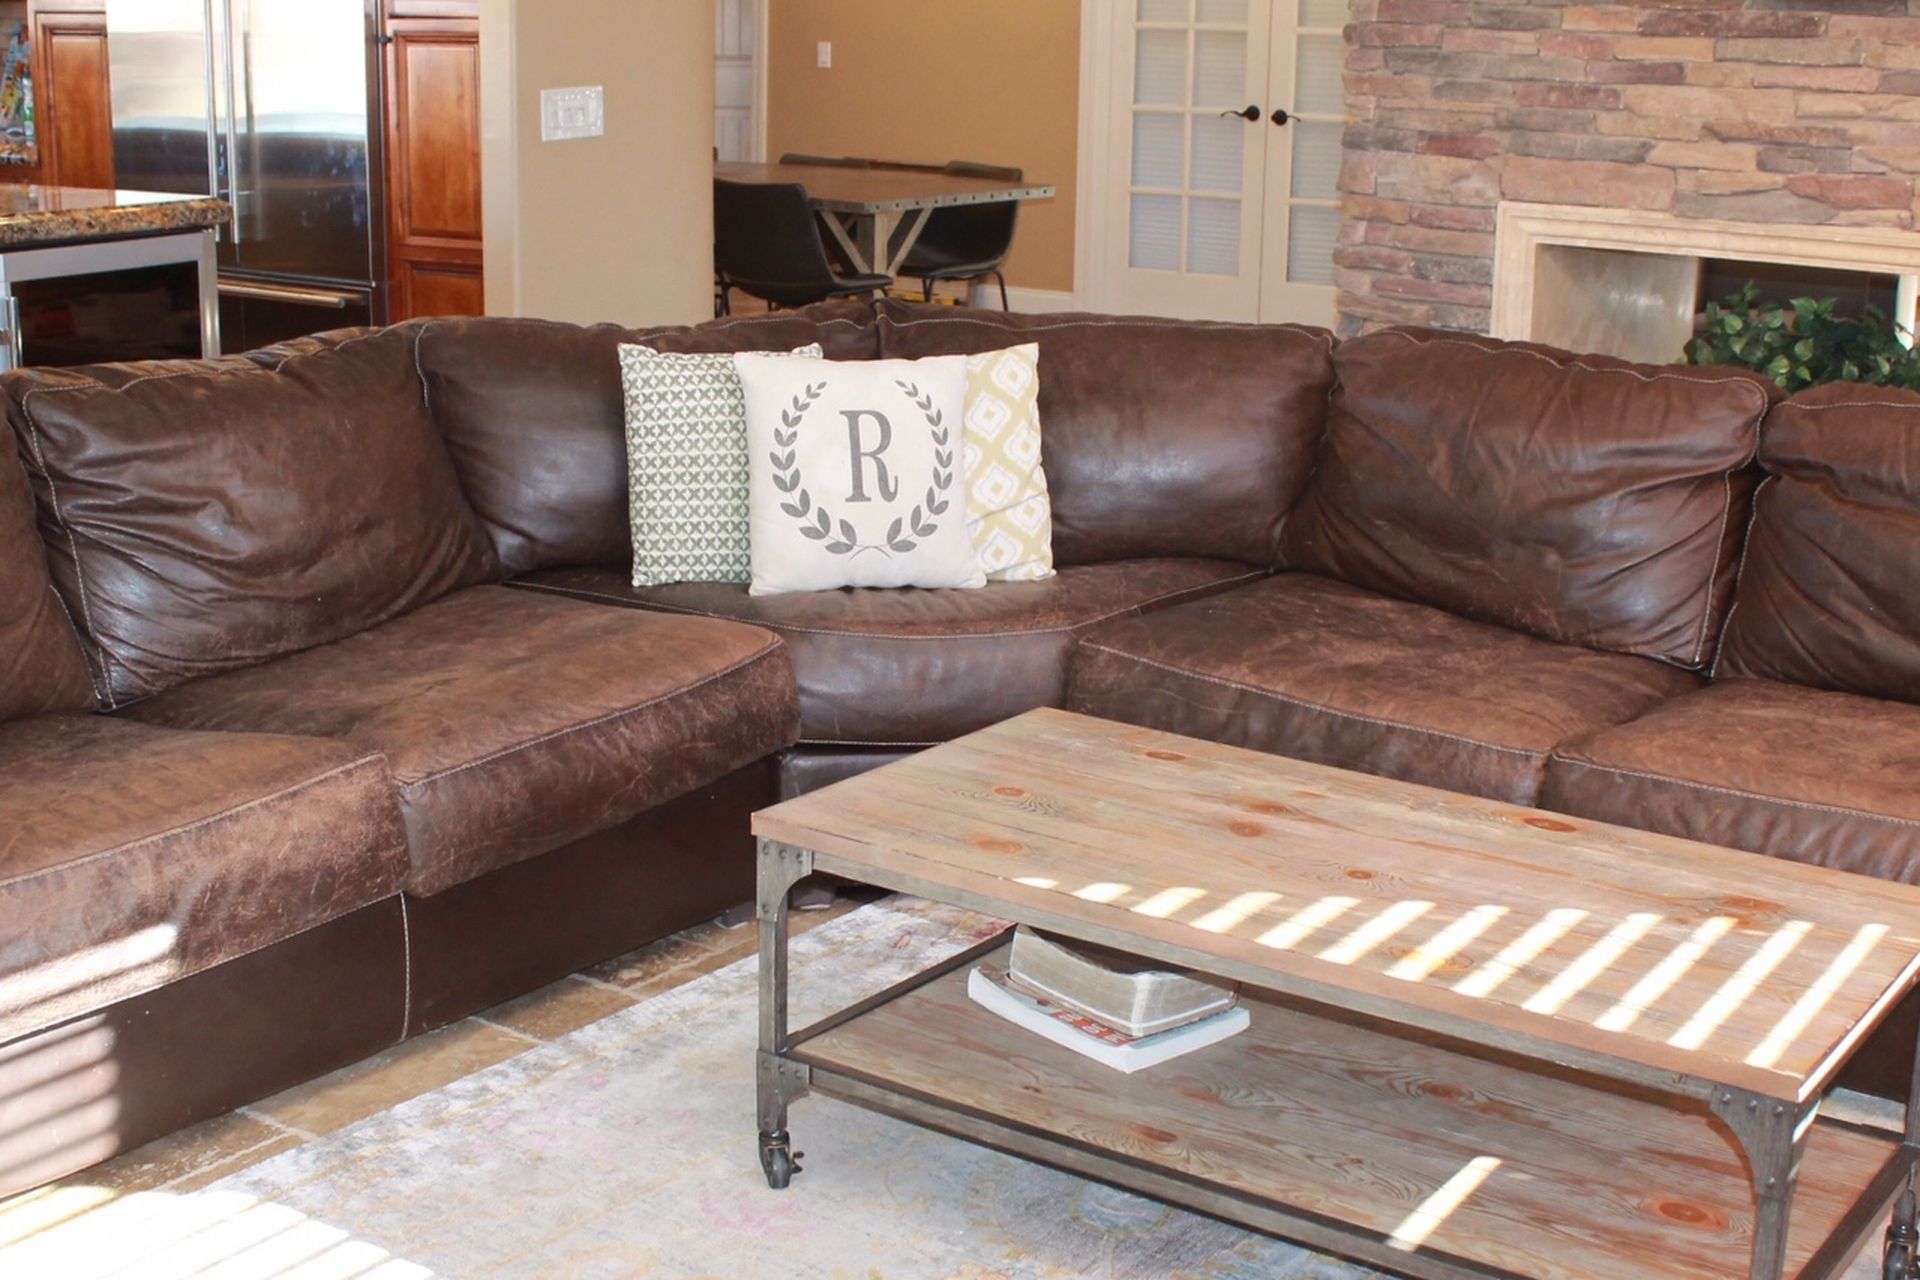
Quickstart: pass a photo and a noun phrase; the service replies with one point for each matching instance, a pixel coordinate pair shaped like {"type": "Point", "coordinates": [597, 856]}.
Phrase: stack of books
{"type": "Point", "coordinates": [1106, 1005]}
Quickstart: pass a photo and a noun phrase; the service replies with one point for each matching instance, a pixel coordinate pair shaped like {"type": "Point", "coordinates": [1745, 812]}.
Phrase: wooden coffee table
{"type": "Point", "coordinates": [1487, 1041]}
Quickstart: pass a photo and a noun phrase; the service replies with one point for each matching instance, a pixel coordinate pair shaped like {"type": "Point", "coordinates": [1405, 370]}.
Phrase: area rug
{"type": "Point", "coordinates": [627, 1149]}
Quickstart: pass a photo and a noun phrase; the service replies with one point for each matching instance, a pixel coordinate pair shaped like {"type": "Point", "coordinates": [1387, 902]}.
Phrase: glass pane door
{"type": "Point", "coordinates": [1190, 145]}
{"type": "Point", "coordinates": [1303, 193]}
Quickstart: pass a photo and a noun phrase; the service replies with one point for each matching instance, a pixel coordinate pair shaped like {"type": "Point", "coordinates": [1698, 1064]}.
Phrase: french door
{"type": "Point", "coordinates": [1221, 156]}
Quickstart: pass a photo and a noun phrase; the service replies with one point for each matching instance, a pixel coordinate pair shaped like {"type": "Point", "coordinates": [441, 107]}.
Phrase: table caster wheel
{"type": "Point", "coordinates": [1897, 1262]}
{"type": "Point", "coordinates": [778, 1159]}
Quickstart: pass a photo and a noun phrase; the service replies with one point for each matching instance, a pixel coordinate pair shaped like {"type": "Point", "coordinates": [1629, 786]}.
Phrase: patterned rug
{"type": "Point", "coordinates": [627, 1149]}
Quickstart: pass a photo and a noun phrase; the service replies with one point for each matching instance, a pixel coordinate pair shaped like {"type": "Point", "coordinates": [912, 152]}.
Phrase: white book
{"type": "Point", "coordinates": [988, 989]}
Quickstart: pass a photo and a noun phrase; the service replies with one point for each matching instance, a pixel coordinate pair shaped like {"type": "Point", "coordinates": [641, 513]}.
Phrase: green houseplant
{"type": "Point", "coordinates": [1802, 343]}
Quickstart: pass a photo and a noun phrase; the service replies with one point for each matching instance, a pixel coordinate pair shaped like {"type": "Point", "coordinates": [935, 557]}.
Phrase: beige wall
{"type": "Point", "coordinates": [938, 80]}
{"type": "Point", "coordinates": [614, 228]}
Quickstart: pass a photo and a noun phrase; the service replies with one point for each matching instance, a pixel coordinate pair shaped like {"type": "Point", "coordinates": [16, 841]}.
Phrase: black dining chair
{"type": "Point", "coordinates": [766, 244]}
{"type": "Point", "coordinates": [966, 242]}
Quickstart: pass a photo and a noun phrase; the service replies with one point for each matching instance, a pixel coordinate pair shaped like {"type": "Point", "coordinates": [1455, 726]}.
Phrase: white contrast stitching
{"type": "Point", "coordinates": [406, 966]}
{"type": "Point", "coordinates": [1311, 706]}
{"type": "Point", "coordinates": [774, 643]}
{"type": "Point", "coordinates": [1841, 810]}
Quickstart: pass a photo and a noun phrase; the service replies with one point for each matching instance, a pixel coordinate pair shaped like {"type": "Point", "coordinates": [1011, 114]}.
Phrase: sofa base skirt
{"type": "Point", "coordinates": [91, 1088]}
{"type": "Point", "coordinates": [526, 925]}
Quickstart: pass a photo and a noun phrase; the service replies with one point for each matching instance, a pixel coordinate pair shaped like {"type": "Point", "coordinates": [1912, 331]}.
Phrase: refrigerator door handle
{"type": "Point", "coordinates": [213, 106]}
{"type": "Point", "coordinates": [236, 40]}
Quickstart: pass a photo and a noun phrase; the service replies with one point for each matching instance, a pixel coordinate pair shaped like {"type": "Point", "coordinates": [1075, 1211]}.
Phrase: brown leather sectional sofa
{"type": "Point", "coordinates": [327, 714]}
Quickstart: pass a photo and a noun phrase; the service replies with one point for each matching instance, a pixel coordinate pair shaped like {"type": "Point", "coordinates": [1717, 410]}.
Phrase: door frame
{"type": "Point", "coordinates": [1097, 27]}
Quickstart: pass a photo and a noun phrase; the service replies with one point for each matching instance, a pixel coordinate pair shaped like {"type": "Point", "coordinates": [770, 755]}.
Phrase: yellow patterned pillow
{"type": "Point", "coordinates": [1008, 511]}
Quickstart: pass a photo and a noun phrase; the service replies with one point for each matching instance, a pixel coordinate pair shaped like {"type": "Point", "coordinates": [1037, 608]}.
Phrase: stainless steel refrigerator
{"type": "Point", "coordinates": [273, 105]}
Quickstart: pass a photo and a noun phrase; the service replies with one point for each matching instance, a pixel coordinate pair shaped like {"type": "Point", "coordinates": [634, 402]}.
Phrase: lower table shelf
{"type": "Point", "coordinates": [1416, 1155]}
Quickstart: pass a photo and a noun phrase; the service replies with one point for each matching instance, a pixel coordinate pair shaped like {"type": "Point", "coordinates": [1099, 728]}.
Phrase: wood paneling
{"type": "Point", "coordinates": [445, 289]}
{"type": "Point", "coordinates": [433, 165]}
{"type": "Point", "coordinates": [71, 99]}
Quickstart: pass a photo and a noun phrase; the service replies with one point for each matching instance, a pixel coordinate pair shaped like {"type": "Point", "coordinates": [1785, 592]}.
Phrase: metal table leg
{"type": "Point", "coordinates": [1774, 1135]}
{"type": "Point", "coordinates": [779, 1081]}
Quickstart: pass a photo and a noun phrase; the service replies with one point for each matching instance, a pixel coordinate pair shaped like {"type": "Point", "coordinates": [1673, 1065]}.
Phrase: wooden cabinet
{"type": "Point", "coordinates": [433, 159]}
{"type": "Point", "coordinates": [72, 103]}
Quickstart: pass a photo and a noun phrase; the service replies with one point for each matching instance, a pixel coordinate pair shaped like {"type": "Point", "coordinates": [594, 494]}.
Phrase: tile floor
{"type": "Point", "coordinates": [206, 1152]}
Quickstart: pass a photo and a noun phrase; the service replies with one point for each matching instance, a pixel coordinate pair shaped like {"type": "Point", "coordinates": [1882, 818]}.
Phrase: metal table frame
{"type": "Point", "coordinates": [1771, 1132]}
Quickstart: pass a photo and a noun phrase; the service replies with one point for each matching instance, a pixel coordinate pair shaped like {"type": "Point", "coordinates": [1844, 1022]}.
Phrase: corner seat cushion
{"type": "Point", "coordinates": [1319, 670]}
{"type": "Point", "coordinates": [1161, 437]}
{"type": "Point", "coordinates": [1807, 774]}
{"type": "Point", "coordinates": [515, 723]}
{"type": "Point", "coordinates": [911, 668]}
{"type": "Point", "coordinates": [132, 856]}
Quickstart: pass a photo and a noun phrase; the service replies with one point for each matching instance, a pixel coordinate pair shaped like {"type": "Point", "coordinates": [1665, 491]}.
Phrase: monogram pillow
{"type": "Point", "coordinates": [686, 465]}
{"type": "Point", "coordinates": [856, 473]}
{"type": "Point", "coordinates": [1008, 511]}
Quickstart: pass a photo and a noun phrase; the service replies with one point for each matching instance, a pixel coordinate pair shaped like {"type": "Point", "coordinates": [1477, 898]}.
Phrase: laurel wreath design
{"type": "Point", "coordinates": [836, 533]}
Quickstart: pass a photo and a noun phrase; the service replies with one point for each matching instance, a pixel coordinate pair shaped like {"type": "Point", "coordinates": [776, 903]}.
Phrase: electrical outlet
{"type": "Point", "coordinates": [568, 114]}
{"type": "Point", "coordinates": [824, 57]}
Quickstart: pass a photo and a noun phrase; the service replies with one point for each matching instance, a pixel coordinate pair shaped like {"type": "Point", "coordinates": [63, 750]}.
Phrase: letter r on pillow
{"type": "Point", "coordinates": [889, 487]}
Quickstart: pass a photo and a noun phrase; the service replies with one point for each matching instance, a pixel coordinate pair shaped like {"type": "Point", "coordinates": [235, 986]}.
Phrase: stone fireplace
{"type": "Point", "coordinates": [1746, 117]}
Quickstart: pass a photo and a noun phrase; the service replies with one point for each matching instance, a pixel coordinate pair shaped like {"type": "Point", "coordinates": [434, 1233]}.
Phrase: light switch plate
{"type": "Point", "coordinates": [823, 55]}
{"type": "Point", "coordinates": [567, 114]}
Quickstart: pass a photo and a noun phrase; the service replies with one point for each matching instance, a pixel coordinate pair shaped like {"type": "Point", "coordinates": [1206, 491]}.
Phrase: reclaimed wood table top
{"type": "Point", "coordinates": [1642, 957]}
{"type": "Point", "coordinates": [869, 191]}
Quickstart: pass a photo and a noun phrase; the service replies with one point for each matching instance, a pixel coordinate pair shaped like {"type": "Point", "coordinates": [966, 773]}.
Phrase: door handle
{"type": "Point", "coordinates": [1248, 113]}
{"type": "Point", "coordinates": [1280, 116]}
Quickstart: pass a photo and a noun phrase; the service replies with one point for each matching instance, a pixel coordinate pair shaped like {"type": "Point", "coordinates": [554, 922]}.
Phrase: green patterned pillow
{"type": "Point", "coordinates": [686, 465]}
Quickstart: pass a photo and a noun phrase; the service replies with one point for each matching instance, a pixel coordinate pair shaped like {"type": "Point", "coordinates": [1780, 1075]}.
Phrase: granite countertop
{"type": "Point", "coordinates": [31, 214]}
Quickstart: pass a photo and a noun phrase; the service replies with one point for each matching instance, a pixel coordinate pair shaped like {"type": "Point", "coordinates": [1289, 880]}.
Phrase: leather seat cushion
{"type": "Point", "coordinates": [514, 723]}
{"type": "Point", "coordinates": [909, 668]}
{"type": "Point", "coordinates": [204, 516]}
{"type": "Point", "coordinates": [1579, 498]}
{"type": "Point", "coordinates": [533, 414]}
{"type": "Point", "coordinates": [1808, 774]}
{"type": "Point", "coordinates": [1319, 670]}
{"type": "Point", "coordinates": [41, 665]}
{"type": "Point", "coordinates": [132, 856]}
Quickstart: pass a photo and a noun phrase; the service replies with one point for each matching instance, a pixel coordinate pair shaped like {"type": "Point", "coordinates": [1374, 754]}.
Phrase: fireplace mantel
{"type": "Point", "coordinates": [1625, 282]}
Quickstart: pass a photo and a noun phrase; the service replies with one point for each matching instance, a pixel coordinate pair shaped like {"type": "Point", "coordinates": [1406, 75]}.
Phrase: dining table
{"type": "Point", "coordinates": [876, 214]}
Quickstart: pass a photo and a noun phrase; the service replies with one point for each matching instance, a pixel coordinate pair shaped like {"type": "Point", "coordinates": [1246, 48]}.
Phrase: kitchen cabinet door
{"type": "Point", "coordinates": [434, 247]}
{"type": "Point", "coordinates": [73, 104]}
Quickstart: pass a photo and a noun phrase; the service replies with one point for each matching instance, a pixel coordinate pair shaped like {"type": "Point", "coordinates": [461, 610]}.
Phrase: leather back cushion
{"type": "Point", "coordinates": [1160, 437]}
{"type": "Point", "coordinates": [1579, 498]}
{"type": "Point", "coordinates": [41, 667]}
{"type": "Point", "coordinates": [533, 415]}
{"type": "Point", "coordinates": [202, 516]}
{"type": "Point", "coordinates": [1826, 595]}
